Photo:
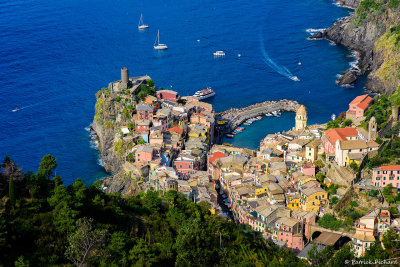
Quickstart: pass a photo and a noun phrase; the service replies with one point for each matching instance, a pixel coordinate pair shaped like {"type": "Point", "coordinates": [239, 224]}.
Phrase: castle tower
{"type": "Point", "coordinates": [395, 115]}
{"type": "Point", "coordinates": [301, 118]}
{"type": "Point", "coordinates": [372, 129]}
{"type": "Point", "coordinates": [124, 78]}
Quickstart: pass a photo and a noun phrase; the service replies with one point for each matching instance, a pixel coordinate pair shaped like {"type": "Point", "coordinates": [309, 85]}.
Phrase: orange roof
{"type": "Point", "coordinates": [175, 129]}
{"type": "Point", "coordinates": [340, 133]}
{"type": "Point", "coordinates": [200, 114]}
{"type": "Point", "coordinates": [390, 168]}
{"type": "Point", "coordinates": [361, 101]}
{"type": "Point", "coordinates": [216, 155]}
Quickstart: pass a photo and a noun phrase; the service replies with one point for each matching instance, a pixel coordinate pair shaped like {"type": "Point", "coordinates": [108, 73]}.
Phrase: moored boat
{"type": "Point", "coordinates": [205, 93]}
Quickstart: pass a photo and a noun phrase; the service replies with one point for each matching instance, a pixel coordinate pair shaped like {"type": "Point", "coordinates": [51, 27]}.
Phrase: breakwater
{"type": "Point", "coordinates": [236, 116]}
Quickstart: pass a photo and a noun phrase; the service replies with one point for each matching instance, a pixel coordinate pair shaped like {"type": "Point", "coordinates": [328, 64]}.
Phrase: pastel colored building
{"type": "Point", "coordinates": [143, 155]}
{"type": "Point", "coordinates": [358, 106]}
{"type": "Point", "coordinates": [142, 126]}
{"type": "Point", "coordinates": [185, 164]}
{"type": "Point", "coordinates": [308, 169]}
{"type": "Point", "coordinates": [353, 150]}
{"type": "Point", "coordinates": [311, 199]}
{"type": "Point", "coordinates": [167, 95]}
{"type": "Point", "coordinates": [290, 231]}
{"type": "Point", "coordinates": [383, 221]}
{"type": "Point", "coordinates": [330, 137]}
{"type": "Point", "coordinates": [312, 150]}
{"type": "Point", "coordinates": [144, 112]}
{"type": "Point", "coordinates": [364, 236]}
{"type": "Point", "coordinates": [385, 175]}
{"type": "Point", "coordinates": [292, 200]}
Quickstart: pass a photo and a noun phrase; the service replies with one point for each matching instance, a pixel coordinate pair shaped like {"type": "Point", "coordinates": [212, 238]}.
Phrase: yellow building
{"type": "Point", "coordinates": [261, 189]}
{"type": "Point", "coordinates": [312, 150]}
{"type": "Point", "coordinates": [353, 157]}
{"type": "Point", "coordinates": [292, 200]}
{"type": "Point", "coordinates": [301, 180]}
{"type": "Point", "coordinates": [311, 199]}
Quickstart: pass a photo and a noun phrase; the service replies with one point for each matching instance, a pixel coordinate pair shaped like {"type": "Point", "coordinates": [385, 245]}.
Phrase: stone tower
{"type": "Point", "coordinates": [395, 115]}
{"type": "Point", "coordinates": [124, 78]}
{"type": "Point", "coordinates": [301, 118]}
{"type": "Point", "coordinates": [372, 129]}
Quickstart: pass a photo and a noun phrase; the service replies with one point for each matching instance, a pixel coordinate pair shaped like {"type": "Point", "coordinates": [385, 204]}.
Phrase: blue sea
{"type": "Point", "coordinates": [55, 55]}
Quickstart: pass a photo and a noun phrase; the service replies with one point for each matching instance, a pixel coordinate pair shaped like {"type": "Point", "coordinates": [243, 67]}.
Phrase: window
{"type": "Point", "coordinates": [189, 166]}
{"type": "Point", "coordinates": [138, 159]}
{"type": "Point", "coordinates": [138, 155]}
{"type": "Point", "coordinates": [180, 166]}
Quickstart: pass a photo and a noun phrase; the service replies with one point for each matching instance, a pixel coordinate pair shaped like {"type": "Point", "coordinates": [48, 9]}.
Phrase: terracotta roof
{"type": "Point", "coordinates": [362, 101]}
{"type": "Point", "coordinates": [327, 238]}
{"type": "Point", "coordinates": [390, 168]}
{"type": "Point", "coordinates": [357, 144]}
{"type": "Point", "coordinates": [175, 129]}
{"type": "Point", "coordinates": [216, 155]}
{"type": "Point", "coordinates": [340, 133]}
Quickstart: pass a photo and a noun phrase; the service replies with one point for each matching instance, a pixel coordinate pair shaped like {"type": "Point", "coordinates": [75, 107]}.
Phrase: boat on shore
{"type": "Point", "coordinates": [204, 94]}
{"type": "Point", "coordinates": [157, 45]}
{"type": "Point", "coordinates": [230, 135]}
{"type": "Point", "coordinates": [141, 25]}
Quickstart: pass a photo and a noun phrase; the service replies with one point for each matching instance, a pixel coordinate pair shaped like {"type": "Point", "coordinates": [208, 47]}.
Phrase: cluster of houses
{"type": "Point", "coordinates": [274, 189]}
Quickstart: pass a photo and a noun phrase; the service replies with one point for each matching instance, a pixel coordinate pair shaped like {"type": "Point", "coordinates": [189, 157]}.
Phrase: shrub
{"type": "Point", "coordinates": [353, 204]}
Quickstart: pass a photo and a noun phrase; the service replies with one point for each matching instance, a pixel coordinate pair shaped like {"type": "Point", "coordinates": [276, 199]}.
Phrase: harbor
{"type": "Point", "coordinates": [231, 119]}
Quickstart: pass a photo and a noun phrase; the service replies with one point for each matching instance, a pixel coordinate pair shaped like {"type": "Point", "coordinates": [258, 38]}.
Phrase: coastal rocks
{"type": "Point", "coordinates": [362, 38]}
{"type": "Point", "coordinates": [347, 78]}
{"type": "Point", "coordinates": [349, 3]}
{"type": "Point", "coordinates": [116, 184]}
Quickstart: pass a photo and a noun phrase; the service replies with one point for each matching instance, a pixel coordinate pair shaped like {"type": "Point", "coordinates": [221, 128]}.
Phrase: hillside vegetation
{"type": "Point", "coordinates": [43, 222]}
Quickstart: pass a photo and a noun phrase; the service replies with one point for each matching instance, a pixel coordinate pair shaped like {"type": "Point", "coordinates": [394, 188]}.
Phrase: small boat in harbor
{"type": "Point", "coordinates": [268, 115]}
{"type": "Point", "coordinates": [157, 45]}
{"type": "Point", "coordinates": [141, 25]}
{"type": "Point", "coordinates": [230, 135]}
{"type": "Point", "coordinates": [219, 53]}
{"type": "Point", "coordinates": [259, 117]}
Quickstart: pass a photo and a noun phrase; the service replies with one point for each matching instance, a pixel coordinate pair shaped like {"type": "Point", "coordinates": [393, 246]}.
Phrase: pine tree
{"type": "Point", "coordinates": [11, 191]}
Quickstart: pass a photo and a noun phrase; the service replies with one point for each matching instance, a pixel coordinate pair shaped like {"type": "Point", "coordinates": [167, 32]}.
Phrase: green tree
{"type": "Point", "coordinates": [63, 213]}
{"type": "Point", "coordinates": [354, 166]}
{"type": "Point", "coordinates": [334, 199]}
{"type": "Point", "coordinates": [343, 256]}
{"type": "Point", "coordinates": [318, 256]}
{"type": "Point", "coordinates": [353, 204]}
{"type": "Point", "coordinates": [11, 191]}
{"type": "Point", "coordinates": [47, 166]}
{"type": "Point", "coordinates": [319, 164]}
{"type": "Point", "coordinates": [141, 254]}
{"type": "Point", "coordinates": [83, 242]}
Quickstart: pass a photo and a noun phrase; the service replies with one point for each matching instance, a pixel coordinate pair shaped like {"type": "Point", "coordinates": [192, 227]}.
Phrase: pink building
{"type": "Point", "coordinates": [308, 169]}
{"type": "Point", "coordinates": [330, 136]}
{"type": "Point", "coordinates": [142, 126]}
{"type": "Point", "coordinates": [289, 230]}
{"type": "Point", "coordinates": [211, 158]}
{"type": "Point", "coordinates": [307, 219]}
{"type": "Point", "coordinates": [144, 155]}
{"type": "Point", "coordinates": [185, 164]}
{"type": "Point", "coordinates": [359, 105]}
{"type": "Point", "coordinates": [167, 95]}
{"type": "Point", "coordinates": [385, 175]}
{"type": "Point", "coordinates": [144, 112]}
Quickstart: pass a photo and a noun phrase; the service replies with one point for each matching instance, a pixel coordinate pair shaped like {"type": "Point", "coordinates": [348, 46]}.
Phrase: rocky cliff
{"type": "Point", "coordinates": [114, 110]}
{"type": "Point", "coordinates": [370, 32]}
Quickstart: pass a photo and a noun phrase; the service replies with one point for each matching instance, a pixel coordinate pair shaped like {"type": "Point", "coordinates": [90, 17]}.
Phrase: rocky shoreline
{"type": "Point", "coordinates": [361, 39]}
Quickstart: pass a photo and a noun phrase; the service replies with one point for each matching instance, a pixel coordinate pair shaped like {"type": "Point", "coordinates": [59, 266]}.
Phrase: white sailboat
{"type": "Point", "coordinates": [141, 25]}
{"type": "Point", "coordinates": [157, 45]}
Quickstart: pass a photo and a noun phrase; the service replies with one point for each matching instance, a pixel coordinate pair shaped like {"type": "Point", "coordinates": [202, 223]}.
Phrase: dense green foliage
{"type": "Point", "coordinates": [330, 222]}
{"type": "Point", "coordinates": [144, 90]}
{"type": "Point", "coordinates": [77, 224]}
{"type": "Point", "coordinates": [390, 154]}
{"type": "Point", "coordinates": [381, 109]}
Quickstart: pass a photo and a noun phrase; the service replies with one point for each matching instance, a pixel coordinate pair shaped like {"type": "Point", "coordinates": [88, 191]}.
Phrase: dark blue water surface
{"type": "Point", "coordinates": [55, 55]}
